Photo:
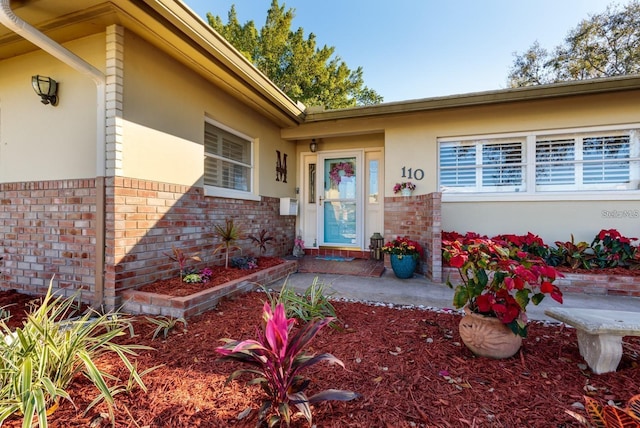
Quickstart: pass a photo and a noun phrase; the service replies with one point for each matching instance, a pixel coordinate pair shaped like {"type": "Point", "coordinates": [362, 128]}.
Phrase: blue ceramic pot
{"type": "Point", "coordinates": [403, 266]}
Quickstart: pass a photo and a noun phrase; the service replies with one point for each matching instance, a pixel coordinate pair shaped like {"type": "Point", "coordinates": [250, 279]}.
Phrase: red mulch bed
{"type": "Point", "coordinates": [221, 275]}
{"type": "Point", "coordinates": [397, 359]}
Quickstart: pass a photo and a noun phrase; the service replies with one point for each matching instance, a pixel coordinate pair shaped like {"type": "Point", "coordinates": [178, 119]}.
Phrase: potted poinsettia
{"type": "Point", "coordinates": [498, 281]}
{"type": "Point", "coordinates": [404, 254]}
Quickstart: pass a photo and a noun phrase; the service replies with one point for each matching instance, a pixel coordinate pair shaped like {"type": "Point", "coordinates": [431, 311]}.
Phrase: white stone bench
{"type": "Point", "coordinates": [600, 334]}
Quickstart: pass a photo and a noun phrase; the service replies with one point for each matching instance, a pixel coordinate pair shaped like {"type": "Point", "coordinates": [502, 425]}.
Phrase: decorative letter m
{"type": "Point", "coordinates": [281, 167]}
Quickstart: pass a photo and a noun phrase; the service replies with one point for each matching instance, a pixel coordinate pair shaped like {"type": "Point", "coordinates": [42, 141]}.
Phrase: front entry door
{"type": "Point", "coordinates": [340, 191]}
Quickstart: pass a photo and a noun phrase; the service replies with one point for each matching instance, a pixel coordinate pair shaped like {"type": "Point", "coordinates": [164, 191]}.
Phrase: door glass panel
{"type": "Point", "coordinates": [340, 222]}
{"type": "Point", "coordinates": [312, 184]}
{"type": "Point", "coordinates": [373, 181]}
{"type": "Point", "coordinates": [339, 206]}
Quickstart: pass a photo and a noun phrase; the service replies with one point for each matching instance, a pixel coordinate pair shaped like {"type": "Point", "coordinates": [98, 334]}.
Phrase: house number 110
{"type": "Point", "coordinates": [411, 174]}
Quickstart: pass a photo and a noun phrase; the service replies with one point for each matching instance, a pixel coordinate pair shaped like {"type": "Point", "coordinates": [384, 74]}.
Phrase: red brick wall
{"type": "Point", "coordinates": [145, 218]}
{"type": "Point", "coordinates": [47, 228]}
{"type": "Point", "coordinates": [419, 218]}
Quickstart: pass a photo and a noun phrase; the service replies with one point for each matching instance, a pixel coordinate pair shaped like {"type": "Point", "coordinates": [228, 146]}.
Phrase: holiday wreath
{"type": "Point", "coordinates": [335, 175]}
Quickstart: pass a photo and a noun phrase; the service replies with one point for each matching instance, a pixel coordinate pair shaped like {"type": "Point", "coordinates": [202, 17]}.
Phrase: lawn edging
{"type": "Point", "coordinates": [596, 284]}
{"type": "Point", "coordinates": [142, 302]}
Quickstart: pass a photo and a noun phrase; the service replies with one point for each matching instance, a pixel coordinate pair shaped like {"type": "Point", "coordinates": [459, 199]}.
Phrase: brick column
{"type": "Point", "coordinates": [419, 218]}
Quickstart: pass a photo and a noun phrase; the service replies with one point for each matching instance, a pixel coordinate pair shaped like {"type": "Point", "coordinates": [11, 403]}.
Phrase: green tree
{"type": "Point", "coordinates": [306, 73]}
{"type": "Point", "coordinates": [605, 44]}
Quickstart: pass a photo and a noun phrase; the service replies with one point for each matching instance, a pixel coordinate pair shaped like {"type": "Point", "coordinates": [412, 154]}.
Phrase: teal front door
{"type": "Point", "coordinates": [340, 193]}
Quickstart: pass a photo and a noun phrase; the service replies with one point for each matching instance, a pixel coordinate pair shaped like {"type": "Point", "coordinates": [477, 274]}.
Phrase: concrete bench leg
{"type": "Point", "coordinates": [602, 352]}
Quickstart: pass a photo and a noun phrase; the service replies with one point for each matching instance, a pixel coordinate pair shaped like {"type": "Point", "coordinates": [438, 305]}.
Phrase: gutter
{"type": "Point", "coordinates": [32, 34]}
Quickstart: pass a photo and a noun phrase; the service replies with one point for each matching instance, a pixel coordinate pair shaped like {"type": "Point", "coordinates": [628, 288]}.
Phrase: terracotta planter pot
{"type": "Point", "coordinates": [487, 336]}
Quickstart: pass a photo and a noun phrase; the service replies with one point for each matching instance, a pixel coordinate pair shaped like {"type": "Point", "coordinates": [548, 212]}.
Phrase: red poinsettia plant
{"type": "Point", "coordinates": [403, 246]}
{"type": "Point", "coordinates": [499, 280]}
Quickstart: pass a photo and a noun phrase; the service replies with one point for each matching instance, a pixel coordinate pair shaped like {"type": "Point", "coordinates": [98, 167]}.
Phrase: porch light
{"type": "Point", "coordinates": [377, 242]}
{"type": "Point", "coordinates": [46, 88]}
{"type": "Point", "coordinates": [313, 146]}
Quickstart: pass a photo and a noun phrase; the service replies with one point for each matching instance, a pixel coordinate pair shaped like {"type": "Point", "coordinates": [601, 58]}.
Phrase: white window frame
{"type": "Point", "coordinates": [479, 167]}
{"type": "Point", "coordinates": [547, 192]}
{"type": "Point", "coordinates": [223, 192]}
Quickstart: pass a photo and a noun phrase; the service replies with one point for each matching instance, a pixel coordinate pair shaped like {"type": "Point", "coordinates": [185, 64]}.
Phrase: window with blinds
{"type": "Point", "coordinates": [569, 162]}
{"type": "Point", "coordinates": [605, 159]}
{"type": "Point", "coordinates": [481, 166]}
{"type": "Point", "coordinates": [228, 159]}
{"type": "Point", "coordinates": [457, 165]}
{"type": "Point", "coordinates": [555, 162]}
{"type": "Point", "coordinates": [502, 164]}
{"type": "Point", "coordinates": [583, 163]}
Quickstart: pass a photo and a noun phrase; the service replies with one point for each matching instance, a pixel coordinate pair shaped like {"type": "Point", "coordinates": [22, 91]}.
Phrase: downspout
{"type": "Point", "coordinates": [30, 33]}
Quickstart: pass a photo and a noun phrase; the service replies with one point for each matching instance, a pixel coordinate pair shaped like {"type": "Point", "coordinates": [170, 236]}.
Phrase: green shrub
{"type": "Point", "coordinates": [571, 254]}
{"type": "Point", "coordinates": [40, 359]}
{"type": "Point", "coordinates": [192, 278]}
{"type": "Point", "coordinates": [244, 262]}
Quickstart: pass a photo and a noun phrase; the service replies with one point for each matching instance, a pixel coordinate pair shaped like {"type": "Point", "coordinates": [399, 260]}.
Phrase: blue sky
{"type": "Point", "coordinates": [411, 49]}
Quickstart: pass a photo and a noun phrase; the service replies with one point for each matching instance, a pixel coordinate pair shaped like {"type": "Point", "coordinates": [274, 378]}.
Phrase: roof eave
{"type": "Point", "coordinates": [530, 93]}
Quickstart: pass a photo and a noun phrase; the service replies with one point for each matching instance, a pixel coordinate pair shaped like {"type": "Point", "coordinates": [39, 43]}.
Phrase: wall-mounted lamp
{"type": "Point", "coordinates": [46, 88]}
{"type": "Point", "coordinates": [313, 146]}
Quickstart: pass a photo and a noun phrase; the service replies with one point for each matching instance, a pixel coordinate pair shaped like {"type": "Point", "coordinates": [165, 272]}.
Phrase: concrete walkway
{"type": "Point", "coordinates": [418, 291]}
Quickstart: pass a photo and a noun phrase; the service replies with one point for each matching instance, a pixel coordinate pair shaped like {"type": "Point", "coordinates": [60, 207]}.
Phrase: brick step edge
{"type": "Point", "coordinates": [140, 302]}
{"type": "Point", "coordinates": [596, 284]}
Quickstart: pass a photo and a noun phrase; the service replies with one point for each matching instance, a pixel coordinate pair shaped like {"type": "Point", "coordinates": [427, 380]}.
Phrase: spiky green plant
{"type": "Point", "coordinates": [313, 304]}
{"type": "Point", "coordinates": [228, 233]}
{"type": "Point", "coordinates": [40, 359]}
{"type": "Point", "coordinates": [4, 313]}
{"type": "Point", "coordinates": [164, 325]}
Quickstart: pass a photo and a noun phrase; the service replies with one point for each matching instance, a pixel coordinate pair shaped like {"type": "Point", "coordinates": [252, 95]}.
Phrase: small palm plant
{"type": "Point", "coordinates": [229, 233]}
{"type": "Point", "coordinates": [277, 359]}
{"type": "Point", "coordinates": [39, 360]}
{"type": "Point", "coordinates": [178, 256]}
{"type": "Point", "coordinates": [261, 240]}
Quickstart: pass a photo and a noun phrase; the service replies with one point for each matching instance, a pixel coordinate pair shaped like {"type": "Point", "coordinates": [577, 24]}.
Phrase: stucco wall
{"type": "Point", "coordinates": [164, 109]}
{"type": "Point", "coordinates": [551, 220]}
{"type": "Point", "coordinates": [41, 142]}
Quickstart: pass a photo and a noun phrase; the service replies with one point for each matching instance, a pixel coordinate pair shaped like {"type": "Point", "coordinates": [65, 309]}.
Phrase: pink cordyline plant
{"type": "Point", "coordinates": [277, 358]}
